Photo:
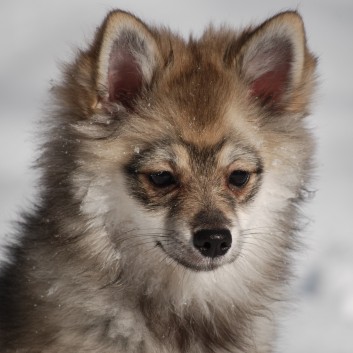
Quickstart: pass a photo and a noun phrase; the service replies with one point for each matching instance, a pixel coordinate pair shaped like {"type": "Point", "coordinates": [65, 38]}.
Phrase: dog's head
{"type": "Point", "coordinates": [190, 152]}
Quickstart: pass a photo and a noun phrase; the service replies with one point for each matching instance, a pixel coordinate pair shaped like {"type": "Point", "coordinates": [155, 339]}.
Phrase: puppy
{"type": "Point", "coordinates": [171, 178]}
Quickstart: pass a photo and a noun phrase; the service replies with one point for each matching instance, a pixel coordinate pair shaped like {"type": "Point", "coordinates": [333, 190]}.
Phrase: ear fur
{"type": "Point", "coordinates": [128, 57]}
{"type": "Point", "coordinates": [272, 60]}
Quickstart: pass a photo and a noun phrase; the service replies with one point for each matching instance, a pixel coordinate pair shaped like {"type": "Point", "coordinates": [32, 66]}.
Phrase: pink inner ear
{"type": "Point", "coordinates": [270, 86]}
{"type": "Point", "coordinates": [124, 78]}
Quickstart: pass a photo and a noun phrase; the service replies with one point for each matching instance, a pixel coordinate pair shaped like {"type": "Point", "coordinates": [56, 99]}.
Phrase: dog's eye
{"type": "Point", "coordinates": [239, 178]}
{"type": "Point", "coordinates": [162, 179]}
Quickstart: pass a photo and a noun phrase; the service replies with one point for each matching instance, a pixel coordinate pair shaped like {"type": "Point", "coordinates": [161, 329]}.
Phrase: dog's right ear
{"type": "Point", "coordinates": [128, 56]}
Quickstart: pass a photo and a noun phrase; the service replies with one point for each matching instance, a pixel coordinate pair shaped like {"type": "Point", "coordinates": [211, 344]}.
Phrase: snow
{"type": "Point", "coordinates": [37, 35]}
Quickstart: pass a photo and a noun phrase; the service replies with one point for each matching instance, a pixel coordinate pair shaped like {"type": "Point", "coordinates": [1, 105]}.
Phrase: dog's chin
{"type": "Point", "coordinates": [197, 263]}
{"type": "Point", "coordinates": [202, 266]}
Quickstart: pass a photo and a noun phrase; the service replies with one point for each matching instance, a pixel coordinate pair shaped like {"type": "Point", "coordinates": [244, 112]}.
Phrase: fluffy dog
{"type": "Point", "coordinates": [171, 178]}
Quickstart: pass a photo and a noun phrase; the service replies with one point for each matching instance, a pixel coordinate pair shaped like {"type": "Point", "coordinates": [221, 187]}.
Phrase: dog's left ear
{"type": "Point", "coordinates": [128, 57]}
{"type": "Point", "coordinates": [275, 63]}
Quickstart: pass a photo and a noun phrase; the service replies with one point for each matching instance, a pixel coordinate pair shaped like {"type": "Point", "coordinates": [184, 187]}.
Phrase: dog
{"type": "Point", "coordinates": [171, 179]}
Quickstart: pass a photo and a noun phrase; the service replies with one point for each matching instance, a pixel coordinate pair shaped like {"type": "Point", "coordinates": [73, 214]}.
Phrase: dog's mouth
{"type": "Point", "coordinates": [194, 261]}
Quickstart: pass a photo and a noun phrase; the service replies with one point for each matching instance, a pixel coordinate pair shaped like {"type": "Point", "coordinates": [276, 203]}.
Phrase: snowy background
{"type": "Point", "coordinates": [36, 35]}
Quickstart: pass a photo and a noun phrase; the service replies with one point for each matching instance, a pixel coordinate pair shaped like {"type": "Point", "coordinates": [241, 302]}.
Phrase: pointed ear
{"type": "Point", "coordinates": [128, 57]}
{"type": "Point", "coordinates": [272, 60]}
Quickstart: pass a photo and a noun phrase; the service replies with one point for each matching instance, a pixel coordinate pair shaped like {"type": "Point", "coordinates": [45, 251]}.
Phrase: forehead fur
{"type": "Point", "coordinates": [197, 88]}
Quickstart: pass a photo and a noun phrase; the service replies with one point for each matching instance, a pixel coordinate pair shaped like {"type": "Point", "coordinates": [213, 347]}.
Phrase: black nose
{"type": "Point", "coordinates": [212, 242]}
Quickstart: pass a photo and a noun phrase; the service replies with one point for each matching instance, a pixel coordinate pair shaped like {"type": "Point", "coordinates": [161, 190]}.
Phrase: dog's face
{"type": "Point", "coordinates": [195, 188]}
{"type": "Point", "coordinates": [192, 152]}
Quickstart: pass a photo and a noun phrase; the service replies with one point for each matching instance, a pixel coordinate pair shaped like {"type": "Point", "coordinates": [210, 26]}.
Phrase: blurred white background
{"type": "Point", "coordinates": [36, 35]}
